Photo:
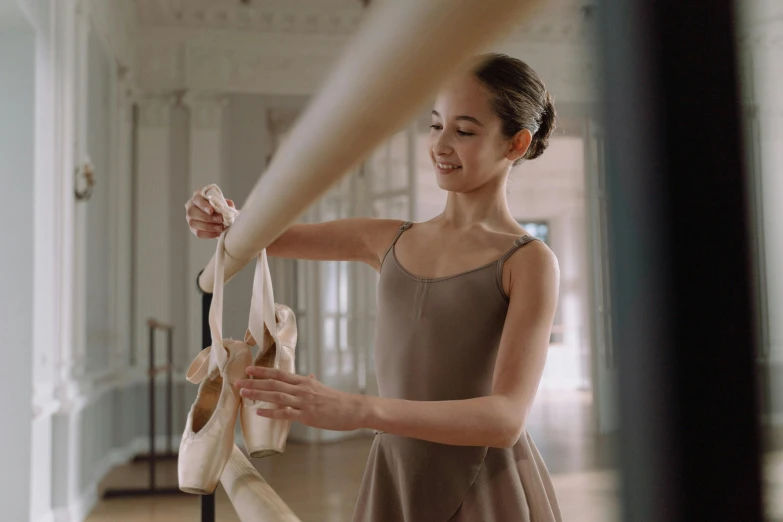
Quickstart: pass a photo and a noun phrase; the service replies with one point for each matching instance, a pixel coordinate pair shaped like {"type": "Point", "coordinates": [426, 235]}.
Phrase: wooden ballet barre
{"type": "Point", "coordinates": [253, 498]}
{"type": "Point", "coordinates": [394, 64]}
{"type": "Point", "coordinates": [152, 457]}
{"type": "Point", "coordinates": [154, 323]}
{"type": "Point", "coordinates": [159, 369]}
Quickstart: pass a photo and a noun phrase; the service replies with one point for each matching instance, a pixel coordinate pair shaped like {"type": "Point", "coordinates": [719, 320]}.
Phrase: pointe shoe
{"type": "Point", "coordinates": [208, 438]}
{"type": "Point", "coordinates": [209, 431]}
{"type": "Point", "coordinates": [267, 437]}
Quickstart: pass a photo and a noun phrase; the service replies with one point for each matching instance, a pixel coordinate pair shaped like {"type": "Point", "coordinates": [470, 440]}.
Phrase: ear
{"type": "Point", "coordinates": [519, 145]}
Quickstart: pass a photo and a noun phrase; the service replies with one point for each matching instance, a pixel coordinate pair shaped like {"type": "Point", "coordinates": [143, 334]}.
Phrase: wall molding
{"type": "Point", "coordinates": [155, 110]}
{"type": "Point", "coordinates": [327, 17]}
{"type": "Point", "coordinates": [80, 509]}
{"type": "Point", "coordinates": [260, 64]}
{"type": "Point", "coordinates": [206, 109]}
{"type": "Point", "coordinates": [82, 394]}
{"type": "Point", "coordinates": [220, 51]}
{"type": "Point", "coordinates": [574, 23]}
{"type": "Point", "coordinates": [89, 498]}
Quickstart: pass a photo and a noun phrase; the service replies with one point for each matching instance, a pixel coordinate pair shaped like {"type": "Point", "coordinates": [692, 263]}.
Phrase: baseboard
{"type": "Point", "coordinates": [47, 517]}
{"type": "Point", "coordinates": [76, 512]}
{"type": "Point", "coordinates": [81, 508]}
{"type": "Point", "coordinates": [138, 446]}
{"type": "Point", "coordinates": [85, 504]}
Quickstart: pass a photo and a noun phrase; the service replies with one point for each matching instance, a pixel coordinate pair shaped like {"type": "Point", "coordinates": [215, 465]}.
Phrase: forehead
{"type": "Point", "coordinates": [464, 96]}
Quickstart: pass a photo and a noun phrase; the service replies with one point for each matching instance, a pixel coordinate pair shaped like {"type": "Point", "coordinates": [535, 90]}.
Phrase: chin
{"type": "Point", "coordinates": [450, 185]}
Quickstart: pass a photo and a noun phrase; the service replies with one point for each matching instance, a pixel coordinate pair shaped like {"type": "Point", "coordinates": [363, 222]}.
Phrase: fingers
{"type": "Point", "coordinates": [202, 219]}
{"type": "Point", "coordinates": [231, 203]}
{"type": "Point", "coordinates": [205, 226]}
{"type": "Point", "coordinates": [203, 229]}
{"type": "Point", "coordinates": [272, 373]}
{"type": "Point", "coordinates": [268, 385]}
{"type": "Point", "coordinates": [286, 414]}
{"type": "Point", "coordinates": [202, 203]}
{"type": "Point", "coordinates": [278, 398]}
{"type": "Point", "coordinates": [206, 235]}
{"type": "Point", "coordinates": [195, 210]}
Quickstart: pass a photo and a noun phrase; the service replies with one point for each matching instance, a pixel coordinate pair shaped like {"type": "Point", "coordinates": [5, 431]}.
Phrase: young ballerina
{"type": "Point", "coordinates": [466, 302]}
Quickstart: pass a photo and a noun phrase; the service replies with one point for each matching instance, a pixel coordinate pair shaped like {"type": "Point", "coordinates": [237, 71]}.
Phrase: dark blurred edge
{"type": "Point", "coordinates": [681, 262]}
{"type": "Point", "coordinates": [207, 501]}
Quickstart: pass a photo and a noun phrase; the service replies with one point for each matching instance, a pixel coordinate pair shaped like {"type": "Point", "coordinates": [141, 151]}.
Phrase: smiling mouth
{"type": "Point", "coordinates": [444, 166]}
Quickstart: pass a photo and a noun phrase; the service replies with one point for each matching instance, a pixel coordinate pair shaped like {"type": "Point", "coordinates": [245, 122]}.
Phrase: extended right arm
{"type": "Point", "coordinates": [349, 239]}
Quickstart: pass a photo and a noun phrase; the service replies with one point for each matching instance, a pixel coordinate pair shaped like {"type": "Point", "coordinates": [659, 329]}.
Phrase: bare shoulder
{"type": "Point", "coordinates": [379, 237]}
{"type": "Point", "coordinates": [532, 266]}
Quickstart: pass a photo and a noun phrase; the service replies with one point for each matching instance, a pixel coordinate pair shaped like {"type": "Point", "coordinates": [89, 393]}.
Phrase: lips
{"type": "Point", "coordinates": [446, 168]}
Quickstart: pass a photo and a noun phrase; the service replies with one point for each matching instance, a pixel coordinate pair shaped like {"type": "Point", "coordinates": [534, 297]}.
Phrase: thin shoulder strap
{"type": "Point", "coordinates": [519, 243]}
{"type": "Point", "coordinates": [405, 226]}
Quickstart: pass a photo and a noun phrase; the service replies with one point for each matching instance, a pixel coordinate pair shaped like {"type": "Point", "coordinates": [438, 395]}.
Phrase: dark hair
{"type": "Point", "coordinates": [519, 98]}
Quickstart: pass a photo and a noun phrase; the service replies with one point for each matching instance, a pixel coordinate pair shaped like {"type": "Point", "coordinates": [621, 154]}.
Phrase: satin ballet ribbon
{"type": "Point", "coordinates": [262, 304]}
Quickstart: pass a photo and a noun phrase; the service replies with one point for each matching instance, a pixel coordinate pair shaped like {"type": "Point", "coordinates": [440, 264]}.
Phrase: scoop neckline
{"type": "Point", "coordinates": [442, 278]}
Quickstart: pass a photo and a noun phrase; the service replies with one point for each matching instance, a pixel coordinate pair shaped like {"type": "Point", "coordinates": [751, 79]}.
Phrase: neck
{"type": "Point", "coordinates": [487, 205]}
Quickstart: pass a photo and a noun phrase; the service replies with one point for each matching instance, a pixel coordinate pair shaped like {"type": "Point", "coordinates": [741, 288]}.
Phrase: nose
{"type": "Point", "coordinates": [441, 144]}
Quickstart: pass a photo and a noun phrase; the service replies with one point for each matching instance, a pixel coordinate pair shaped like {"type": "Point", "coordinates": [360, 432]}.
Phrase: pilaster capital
{"type": "Point", "coordinates": [155, 109]}
{"type": "Point", "coordinates": [206, 108]}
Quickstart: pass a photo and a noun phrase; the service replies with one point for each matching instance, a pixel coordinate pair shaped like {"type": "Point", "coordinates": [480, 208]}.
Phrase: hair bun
{"type": "Point", "coordinates": [541, 137]}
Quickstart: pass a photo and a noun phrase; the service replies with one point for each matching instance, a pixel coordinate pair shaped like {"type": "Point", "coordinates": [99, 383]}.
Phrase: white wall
{"type": "Point", "coordinates": [241, 149]}
{"type": "Point", "coordinates": [65, 94]}
{"type": "Point", "coordinates": [98, 212]}
{"type": "Point", "coordinates": [248, 144]}
{"type": "Point", "coordinates": [17, 147]}
{"type": "Point", "coordinates": [551, 188]}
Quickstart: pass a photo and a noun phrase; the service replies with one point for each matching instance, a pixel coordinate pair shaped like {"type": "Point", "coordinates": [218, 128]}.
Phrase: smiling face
{"type": "Point", "coordinates": [467, 146]}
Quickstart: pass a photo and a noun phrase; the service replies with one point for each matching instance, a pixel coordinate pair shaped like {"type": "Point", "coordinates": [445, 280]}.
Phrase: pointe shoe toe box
{"type": "Point", "coordinates": [266, 437]}
{"type": "Point", "coordinates": [208, 438]}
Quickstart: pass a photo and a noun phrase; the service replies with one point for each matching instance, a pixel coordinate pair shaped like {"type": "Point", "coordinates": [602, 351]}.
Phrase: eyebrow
{"type": "Point", "coordinates": [465, 118]}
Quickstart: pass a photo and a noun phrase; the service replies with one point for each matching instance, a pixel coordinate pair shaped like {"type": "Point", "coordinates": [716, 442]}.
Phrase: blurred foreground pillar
{"type": "Point", "coordinates": [681, 259]}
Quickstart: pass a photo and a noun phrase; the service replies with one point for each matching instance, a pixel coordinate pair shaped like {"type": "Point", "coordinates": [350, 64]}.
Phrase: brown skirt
{"type": "Point", "coordinates": [411, 480]}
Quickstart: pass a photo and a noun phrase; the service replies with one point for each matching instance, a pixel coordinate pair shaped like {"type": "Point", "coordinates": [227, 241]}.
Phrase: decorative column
{"type": "Point", "coordinates": [123, 251]}
{"type": "Point", "coordinates": [206, 165]}
{"type": "Point", "coordinates": [47, 281]}
{"type": "Point", "coordinates": [47, 209]}
{"type": "Point", "coordinates": [65, 160]}
{"type": "Point", "coordinates": [152, 244]}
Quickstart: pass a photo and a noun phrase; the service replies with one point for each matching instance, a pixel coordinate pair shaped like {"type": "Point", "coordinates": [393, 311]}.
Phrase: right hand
{"type": "Point", "coordinates": [202, 219]}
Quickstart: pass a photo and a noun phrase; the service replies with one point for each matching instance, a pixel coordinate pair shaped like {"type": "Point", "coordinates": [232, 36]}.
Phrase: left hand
{"type": "Point", "coordinates": [302, 399]}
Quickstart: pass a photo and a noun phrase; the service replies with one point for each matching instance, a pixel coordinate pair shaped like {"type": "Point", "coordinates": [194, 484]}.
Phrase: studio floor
{"type": "Point", "coordinates": [320, 482]}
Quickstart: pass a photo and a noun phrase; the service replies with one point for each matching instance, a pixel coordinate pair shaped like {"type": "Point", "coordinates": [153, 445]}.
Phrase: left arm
{"type": "Point", "coordinates": [496, 420]}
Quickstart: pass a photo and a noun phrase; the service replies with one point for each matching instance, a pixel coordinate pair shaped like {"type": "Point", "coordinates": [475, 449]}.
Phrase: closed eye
{"type": "Point", "coordinates": [438, 127]}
